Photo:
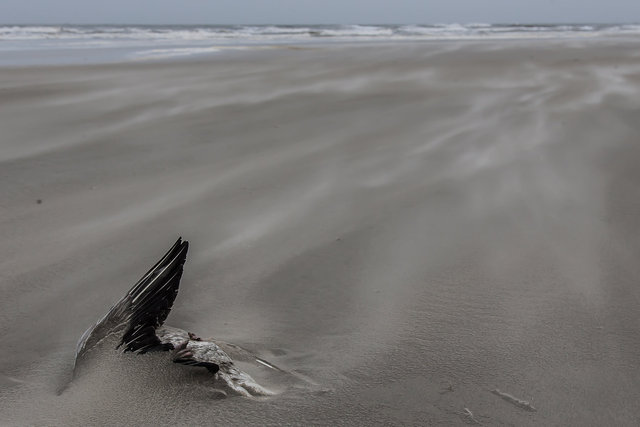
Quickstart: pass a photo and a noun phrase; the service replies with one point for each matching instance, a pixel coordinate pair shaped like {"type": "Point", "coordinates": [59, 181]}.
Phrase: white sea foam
{"type": "Point", "coordinates": [268, 32]}
{"type": "Point", "coordinates": [174, 52]}
{"type": "Point", "coordinates": [168, 41]}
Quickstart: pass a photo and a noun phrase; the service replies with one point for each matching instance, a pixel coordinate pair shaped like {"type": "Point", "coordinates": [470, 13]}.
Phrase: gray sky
{"type": "Point", "coordinates": [316, 11]}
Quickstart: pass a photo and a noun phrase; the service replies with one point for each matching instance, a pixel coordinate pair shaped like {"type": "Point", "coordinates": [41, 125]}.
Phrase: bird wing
{"type": "Point", "coordinates": [143, 309]}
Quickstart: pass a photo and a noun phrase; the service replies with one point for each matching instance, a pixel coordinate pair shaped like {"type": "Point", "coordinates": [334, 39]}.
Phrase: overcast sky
{"type": "Point", "coordinates": [317, 11]}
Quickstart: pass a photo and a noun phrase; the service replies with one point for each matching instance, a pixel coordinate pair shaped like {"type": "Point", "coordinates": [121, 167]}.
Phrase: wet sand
{"type": "Point", "coordinates": [433, 233]}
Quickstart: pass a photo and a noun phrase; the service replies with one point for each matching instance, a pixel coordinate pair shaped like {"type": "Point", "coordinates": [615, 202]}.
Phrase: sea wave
{"type": "Point", "coordinates": [292, 32]}
{"type": "Point", "coordinates": [22, 45]}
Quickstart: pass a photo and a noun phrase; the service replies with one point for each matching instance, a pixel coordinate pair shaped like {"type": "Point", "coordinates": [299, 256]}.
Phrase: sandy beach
{"type": "Point", "coordinates": [416, 233]}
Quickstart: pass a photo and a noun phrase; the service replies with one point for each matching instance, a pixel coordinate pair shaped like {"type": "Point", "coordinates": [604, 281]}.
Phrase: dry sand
{"type": "Point", "coordinates": [421, 233]}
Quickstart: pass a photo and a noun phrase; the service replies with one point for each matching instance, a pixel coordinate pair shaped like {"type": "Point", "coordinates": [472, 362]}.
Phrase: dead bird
{"type": "Point", "coordinates": [136, 321]}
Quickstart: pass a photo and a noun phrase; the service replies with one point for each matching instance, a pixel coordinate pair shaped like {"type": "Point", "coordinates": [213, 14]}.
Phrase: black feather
{"type": "Point", "coordinates": [151, 300]}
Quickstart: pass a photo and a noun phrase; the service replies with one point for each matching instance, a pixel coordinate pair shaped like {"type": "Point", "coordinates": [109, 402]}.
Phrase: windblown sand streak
{"type": "Point", "coordinates": [406, 225]}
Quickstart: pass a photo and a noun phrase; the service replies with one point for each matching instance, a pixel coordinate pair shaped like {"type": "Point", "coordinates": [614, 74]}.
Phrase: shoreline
{"type": "Point", "coordinates": [162, 53]}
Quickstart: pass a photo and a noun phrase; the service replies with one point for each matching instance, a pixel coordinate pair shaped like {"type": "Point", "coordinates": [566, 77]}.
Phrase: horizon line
{"type": "Point", "coordinates": [530, 23]}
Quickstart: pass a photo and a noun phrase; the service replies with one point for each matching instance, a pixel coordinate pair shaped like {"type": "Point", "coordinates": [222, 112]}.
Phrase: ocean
{"type": "Point", "coordinates": [66, 44]}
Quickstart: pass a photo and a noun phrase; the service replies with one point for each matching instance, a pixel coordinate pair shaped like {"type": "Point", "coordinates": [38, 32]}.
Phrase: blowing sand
{"type": "Point", "coordinates": [405, 228]}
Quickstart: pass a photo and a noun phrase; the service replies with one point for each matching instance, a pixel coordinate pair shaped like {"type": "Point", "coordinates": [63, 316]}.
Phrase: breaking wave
{"type": "Point", "coordinates": [297, 33]}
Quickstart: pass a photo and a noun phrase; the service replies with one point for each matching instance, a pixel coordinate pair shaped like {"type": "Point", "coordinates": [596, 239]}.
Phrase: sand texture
{"type": "Point", "coordinates": [416, 233]}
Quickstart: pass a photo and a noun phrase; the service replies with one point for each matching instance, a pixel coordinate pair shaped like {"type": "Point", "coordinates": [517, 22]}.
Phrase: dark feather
{"type": "Point", "coordinates": [150, 300]}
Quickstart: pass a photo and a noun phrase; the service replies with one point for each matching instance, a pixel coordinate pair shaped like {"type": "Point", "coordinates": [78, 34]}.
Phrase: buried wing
{"type": "Point", "coordinates": [135, 317]}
